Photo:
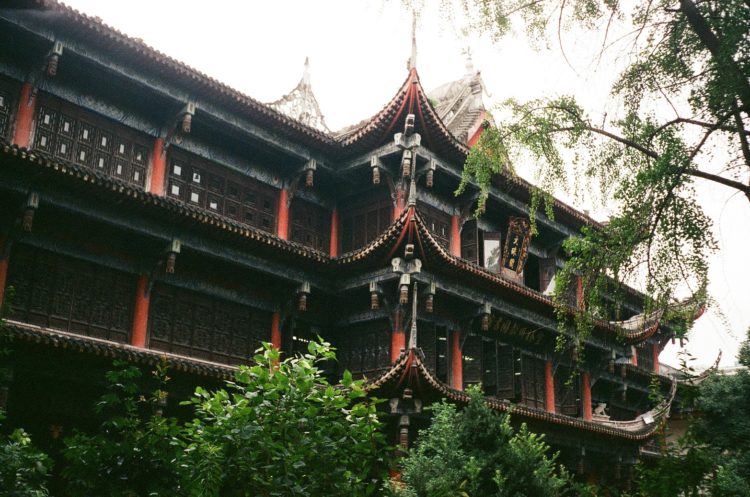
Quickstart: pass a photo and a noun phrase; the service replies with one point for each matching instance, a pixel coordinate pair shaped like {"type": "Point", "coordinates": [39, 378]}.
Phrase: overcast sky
{"type": "Point", "coordinates": [358, 52]}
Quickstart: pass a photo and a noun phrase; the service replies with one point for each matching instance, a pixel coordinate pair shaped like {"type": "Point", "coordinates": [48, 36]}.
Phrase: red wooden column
{"type": "Point", "coordinates": [549, 386]}
{"type": "Point", "coordinates": [3, 267]}
{"type": "Point", "coordinates": [579, 292]}
{"type": "Point", "coordinates": [25, 116]}
{"type": "Point", "coordinates": [398, 337]}
{"type": "Point", "coordinates": [276, 330]}
{"type": "Point", "coordinates": [656, 351]}
{"type": "Point", "coordinates": [586, 396]}
{"type": "Point", "coordinates": [333, 250]}
{"type": "Point", "coordinates": [282, 226]}
{"type": "Point", "coordinates": [455, 236]}
{"type": "Point", "coordinates": [140, 313]}
{"type": "Point", "coordinates": [633, 355]}
{"type": "Point", "coordinates": [457, 364]}
{"type": "Point", "coordinates": [158, 167]}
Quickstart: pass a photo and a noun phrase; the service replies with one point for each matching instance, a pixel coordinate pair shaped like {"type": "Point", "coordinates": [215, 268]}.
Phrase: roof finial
{"type": "Point", "coordinates": [469, 63]}
{"type": "Point", "coordinates": [413, 39]}
{"type": "Point", "coordinates": [306, 74]}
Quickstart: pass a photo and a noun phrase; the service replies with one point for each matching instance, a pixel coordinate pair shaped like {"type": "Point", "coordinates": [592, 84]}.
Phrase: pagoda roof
{"type": "Point", "coordinates": [301, 104]}
{"type": "Point", "coordinates": [407, 228]}
{"type": "Point", "coordinates": [409, 371]}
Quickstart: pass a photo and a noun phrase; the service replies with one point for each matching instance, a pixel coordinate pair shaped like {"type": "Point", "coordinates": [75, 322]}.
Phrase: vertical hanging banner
{"type": "Point", "coordinates": [516, 248]}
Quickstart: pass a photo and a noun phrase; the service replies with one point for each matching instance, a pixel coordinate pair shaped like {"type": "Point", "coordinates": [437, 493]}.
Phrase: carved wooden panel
{"type": "Point", "coordinates": [567, 400]}
{"type": "Point", "coordinates": [69, 294]}
{"type": "Point", "coordinates": [73, 134]}
{"type": "Point", "coordinates": [310, 224]}
{"type": "Point", "coordinates": [532, 381]}
{"type": "Point", "coordinates": [197, 325]}
{"type": "Point", "coordinates": [7, 105]}
{"type": "Point", "coordinates": [364, 218]}
{"type": "Point", "coordinates": [438, 222]}
{"type": "Point", "coordinates": [202, 183]}
{"type": "Point", "coordinates": [365, 348]}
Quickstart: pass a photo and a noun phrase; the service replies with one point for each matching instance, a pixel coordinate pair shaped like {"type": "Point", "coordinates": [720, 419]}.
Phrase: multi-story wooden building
{"type": "Point", "coordinates": [149, 211]}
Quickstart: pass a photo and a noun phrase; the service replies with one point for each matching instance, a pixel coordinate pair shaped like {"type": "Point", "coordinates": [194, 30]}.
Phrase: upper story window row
{"type": "Point", "coordinates": [199, 182]}
{"type": "Point", "coordinates": [75, 135]}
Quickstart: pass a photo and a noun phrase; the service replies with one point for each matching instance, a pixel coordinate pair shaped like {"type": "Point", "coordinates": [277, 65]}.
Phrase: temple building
{"type": "Point", "coordinates": [148, 211]}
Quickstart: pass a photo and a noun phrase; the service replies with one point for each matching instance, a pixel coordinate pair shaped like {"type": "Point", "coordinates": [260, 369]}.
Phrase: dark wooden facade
{"type": "Point", "coordinates": [202, 243]}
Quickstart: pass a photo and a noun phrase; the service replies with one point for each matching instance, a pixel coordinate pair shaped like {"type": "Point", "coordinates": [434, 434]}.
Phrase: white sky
{"type": "Point", "coordinates": [358, 52]}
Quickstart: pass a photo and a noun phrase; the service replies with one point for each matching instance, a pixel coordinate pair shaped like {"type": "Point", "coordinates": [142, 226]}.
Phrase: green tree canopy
{"type": "Point", "coordinates": [683, 118]}
{"type": "Point", "coordinates": [476, 451]}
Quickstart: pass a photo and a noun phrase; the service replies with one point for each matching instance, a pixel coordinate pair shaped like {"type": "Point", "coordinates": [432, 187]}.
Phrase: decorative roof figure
{"type": "Point", "coordinates": [412, 62]}
{"type": "Point", "coordinates": [301, 104]}
{"type": "Point", "coordinates": [460, 103]}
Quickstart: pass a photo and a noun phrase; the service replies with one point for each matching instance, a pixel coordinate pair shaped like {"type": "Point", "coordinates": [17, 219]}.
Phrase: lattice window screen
{"type": "Point", "coordinates": [70, 294]}
{"type": "Point", "coordinates": [73, 134]}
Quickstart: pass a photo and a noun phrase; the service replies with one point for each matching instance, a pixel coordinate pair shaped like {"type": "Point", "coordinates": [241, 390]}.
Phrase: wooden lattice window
{"type": "Point", "coordinates": [69, 294]}
{"type": "Point", "coordinates": [73, 134]}
{"type": "Point", "coordinates": [199, 182]}
{"type": "Point", "coordinates": [471, 355]}
{"type": "Point", "coordinates": [497, 369]}
{"type": "Point", "coordinates": [197, 325]}
{"type": "Point", "coordinates": [364, 349]}
{"type": "Point", "coordinates": [311, 224]}
{"type": "Point", "coordinates": [470, 241]}
{"type": "Point", "coordinates": [532, 381]}
{"type": "Point", "coordinates": [567, 396]}
{"type": "Point", "coordinates": [645, 356]}
{"type": "Point", "coordinates": [438, 222]}
{"type": "Point", "coordinates": [433, 340]}
{"type": "Point", "coordinates": [7, 104]}
{"type": "Point", "coordinates": [363, 219]}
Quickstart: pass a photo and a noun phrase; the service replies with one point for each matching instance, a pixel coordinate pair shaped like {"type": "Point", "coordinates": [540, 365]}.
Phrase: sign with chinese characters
{"type": "Point", "coordinates": [516, 248]}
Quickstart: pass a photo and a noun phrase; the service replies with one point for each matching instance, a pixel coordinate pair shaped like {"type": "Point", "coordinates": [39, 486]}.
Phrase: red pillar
{"type": "Point", "coordinates": [457, 364]}
{"type": "Point", "coordinates": [334, 247]}
{"type": "Point", "coordinates": [586, 396]}
{"type": "Point", "coordinates": [455, 236]}
{"type": "Point", "coordinates": [656, 351]}
{"type": "Point", "coordinates": [633, 355]}
{"type": "Point", "coordinates": [579, 292]}
{"type": "Point", "coordinates": [398, 337]}
{"type": "Point", "coordinates": [25, 116]}
{"type": "Point", "coordinates": [158, 167]}
{"type": "Point", "coordinates": [3, 267]}
{"type": "Point", "coordinates": [276, 330]}
{"type": "Point", "coordinates": [282, 227]}
{"type": "Point", "coordinates": [140, 313]}
{"type": "Point", "coordinates": [549, 386]}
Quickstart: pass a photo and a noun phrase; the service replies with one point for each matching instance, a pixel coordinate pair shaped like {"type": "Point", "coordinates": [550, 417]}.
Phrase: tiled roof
{"type": "Point", "coordinates": [410, 371]}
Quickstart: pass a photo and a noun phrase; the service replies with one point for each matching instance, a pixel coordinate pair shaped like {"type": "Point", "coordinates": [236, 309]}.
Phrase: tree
{"type": "Point", "coordinates": [281, 429]}
{"type": "Point", "coordinates": [684, 118]}
{"type": "Point", "coordinates": [714, 457]}
{"type": "Point", "coordinates": [136, 451]}
{"type": "Point", "coordinates": [24, 469]}
{"type": "Point", "coordinates": [476, 451]}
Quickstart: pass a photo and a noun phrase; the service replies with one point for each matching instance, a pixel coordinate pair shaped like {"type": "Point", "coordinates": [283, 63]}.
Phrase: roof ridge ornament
{"type": "Point", "coordinates": [306, 74]}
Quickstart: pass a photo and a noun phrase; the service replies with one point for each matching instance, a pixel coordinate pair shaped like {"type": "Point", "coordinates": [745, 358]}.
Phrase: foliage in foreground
{"type": "Point", "coordinates": [713, 458]}
{"type": "Point", "coordinates": [476, 451]}
{"type": "Point", "coordinates": [24, 470]}
{"type": "Point", "coordinates": [679, 115]}
{"type": "Point", "coordinates": [278, 429]}
{"type": "Point", "coordinates": [281, 429]}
